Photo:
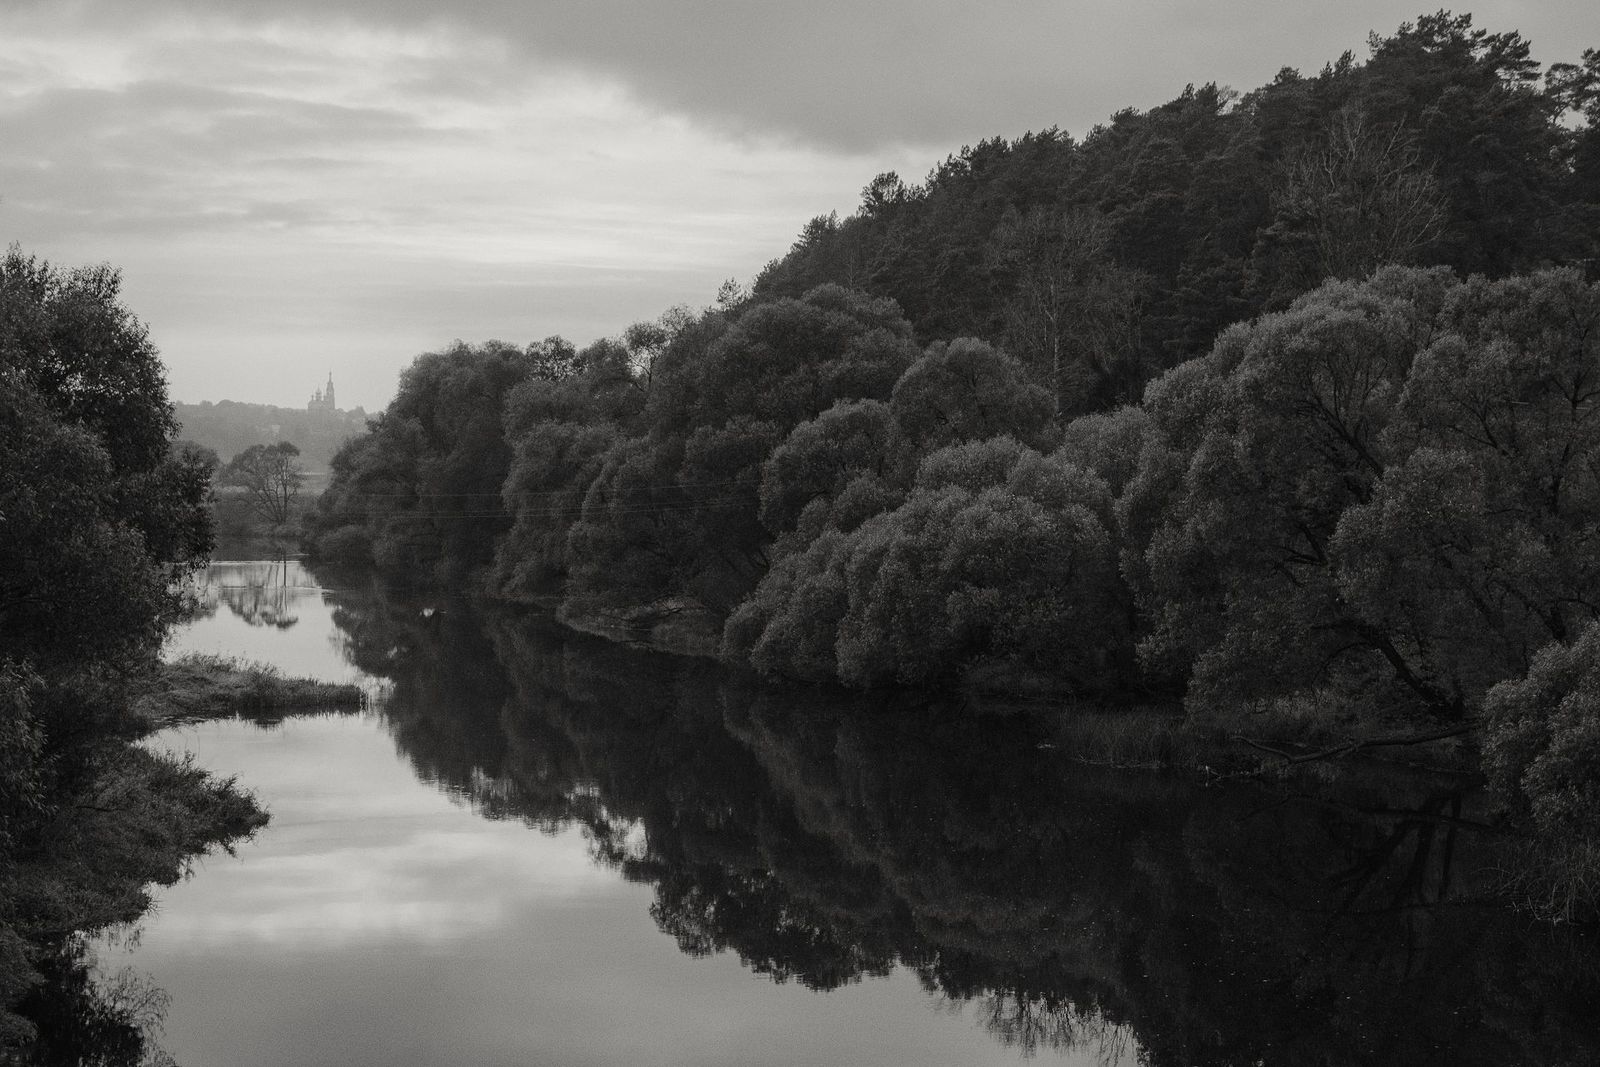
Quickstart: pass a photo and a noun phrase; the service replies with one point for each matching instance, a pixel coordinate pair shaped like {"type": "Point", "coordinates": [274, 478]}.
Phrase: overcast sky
{"type": "Point", "coordinates": [297, 186]}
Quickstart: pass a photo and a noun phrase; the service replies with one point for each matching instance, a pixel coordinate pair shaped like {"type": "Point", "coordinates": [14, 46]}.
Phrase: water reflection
{"type": "Point", "coordinates": [822, 840]}
{"type": "Point", "coordinates": [275, 612]}
{"type": "Point", "coordinates": [260, 593]}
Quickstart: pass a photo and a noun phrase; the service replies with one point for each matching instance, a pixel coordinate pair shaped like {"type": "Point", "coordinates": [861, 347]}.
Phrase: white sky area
{"type": "Point", "coordinates": [297, 186]}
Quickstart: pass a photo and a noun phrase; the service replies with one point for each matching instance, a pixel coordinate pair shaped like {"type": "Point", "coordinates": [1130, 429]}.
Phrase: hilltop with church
{"type": "Point", "coordinates": [322, 402]}
{"type": "Point", "coordinates": [228, 427]}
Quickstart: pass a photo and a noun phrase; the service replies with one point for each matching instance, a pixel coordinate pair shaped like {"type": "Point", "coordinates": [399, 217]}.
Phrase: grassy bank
{"type": "Point", "coordinates": [106, 840]}
{"type": "Point", "coordinates": [208, 687]}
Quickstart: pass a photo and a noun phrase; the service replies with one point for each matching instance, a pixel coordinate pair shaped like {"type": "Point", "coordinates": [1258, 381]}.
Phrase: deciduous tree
{"type": "Point", "coordinates": [271, 478]}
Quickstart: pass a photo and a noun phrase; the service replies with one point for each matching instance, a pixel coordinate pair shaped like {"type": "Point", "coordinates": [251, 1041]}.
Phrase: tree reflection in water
{"type": "Point", "coordinates": [824, 837]}
{"type": "Point", "coordinates": [261, 592]}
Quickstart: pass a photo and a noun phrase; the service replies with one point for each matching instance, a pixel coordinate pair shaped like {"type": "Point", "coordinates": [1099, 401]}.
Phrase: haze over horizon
{"type": "Point", "coordinates": [302, 186]}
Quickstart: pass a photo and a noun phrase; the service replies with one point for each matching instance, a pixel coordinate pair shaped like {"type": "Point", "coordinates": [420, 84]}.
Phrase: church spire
{"type": "Point", "coordinates": [322, 402]}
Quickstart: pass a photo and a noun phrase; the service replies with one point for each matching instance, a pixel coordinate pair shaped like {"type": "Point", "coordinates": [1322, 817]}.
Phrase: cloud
{"type": "Point", "coordinates": [291, 185]}
{"type": "Point", "coordinates": [165, 157]}
{"type": "Point", "coordinates": [284, 196]}
{"type": "Point", "coordinates": [854, 77]}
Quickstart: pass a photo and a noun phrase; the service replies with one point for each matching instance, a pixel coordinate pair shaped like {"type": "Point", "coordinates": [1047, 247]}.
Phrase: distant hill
{"type": "Point", "coordinates": [229, 427]}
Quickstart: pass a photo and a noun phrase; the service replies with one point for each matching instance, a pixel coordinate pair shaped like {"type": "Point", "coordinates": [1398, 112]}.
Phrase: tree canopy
{"type": "Point", "coordinates": [1280, 401]}
{"type": "Point", "coordinates": [270, 477]}
{"type": "Point", "coordinates": [101, 520]}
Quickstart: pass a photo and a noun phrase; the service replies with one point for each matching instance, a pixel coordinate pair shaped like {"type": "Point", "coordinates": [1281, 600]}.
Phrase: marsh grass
{"type": "Point", "coordinates": [1131, 738]}
{"type": "Point", "coordinates": [205, 687]}
{"type": "Point", "coordinates": [1557, 881]}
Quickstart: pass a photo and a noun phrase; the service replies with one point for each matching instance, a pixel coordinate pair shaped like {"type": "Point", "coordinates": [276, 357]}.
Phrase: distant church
{"type": "Point", "coordinates": [322, 402]}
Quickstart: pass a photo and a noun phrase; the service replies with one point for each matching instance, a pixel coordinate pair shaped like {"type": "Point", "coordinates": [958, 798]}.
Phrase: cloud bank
{"type": "Point", "coordinates": [291, 185]}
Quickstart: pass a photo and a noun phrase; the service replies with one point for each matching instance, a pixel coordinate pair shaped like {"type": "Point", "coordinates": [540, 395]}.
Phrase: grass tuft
{"type": "Point", "coordinates": [205, 687]}
{"type": "Point", "coordinates": [1558, 881]}
{"type": "Point", "coordinates": [1129, 738]}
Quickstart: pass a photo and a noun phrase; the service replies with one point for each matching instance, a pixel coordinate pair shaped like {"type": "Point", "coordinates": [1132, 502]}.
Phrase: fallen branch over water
{"type": "Point", "coordinates": [1351, 747]}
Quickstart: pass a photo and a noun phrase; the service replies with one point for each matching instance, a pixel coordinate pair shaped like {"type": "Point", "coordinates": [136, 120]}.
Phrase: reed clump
{"type": "Point", "coordinates": [206, 687]}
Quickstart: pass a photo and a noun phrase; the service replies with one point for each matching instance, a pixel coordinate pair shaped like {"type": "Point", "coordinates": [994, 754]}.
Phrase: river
{"type": "Point", "coordinates": [538, 847]}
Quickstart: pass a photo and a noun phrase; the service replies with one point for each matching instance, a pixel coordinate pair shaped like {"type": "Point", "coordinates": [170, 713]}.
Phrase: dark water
{"type": "Point", "coordinates": [542, 848]}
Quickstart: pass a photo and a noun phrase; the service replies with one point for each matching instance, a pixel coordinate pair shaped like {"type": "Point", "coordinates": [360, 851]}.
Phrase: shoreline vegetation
{"type": "Point", "coordinates": [198, 688]}
{"type": "Point", "coordinates": [806, 829]}
{"type": "Point", "coordinates": [1130, 736]}
{"type": "Point", "coordinates": [104, 516]}
{"type": "Point", "coordinates": [142, 828]}
{"type": "Point", "coordinates": [1279, 407]}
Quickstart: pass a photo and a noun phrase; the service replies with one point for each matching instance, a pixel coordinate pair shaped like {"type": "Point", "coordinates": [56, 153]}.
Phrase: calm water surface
{"type": "Point", "coordinates": [538, 848]}
{"type": "Point", "coordinates": [387, 916]}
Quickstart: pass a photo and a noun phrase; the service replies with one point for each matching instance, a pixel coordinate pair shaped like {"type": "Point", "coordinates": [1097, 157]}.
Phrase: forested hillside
{"type": "Point", "coordinates": [229, 427]}
{"type": "Point", "coordinates": [1102, 261]}
{"type": "Point", "coordinates": [1279, 404]}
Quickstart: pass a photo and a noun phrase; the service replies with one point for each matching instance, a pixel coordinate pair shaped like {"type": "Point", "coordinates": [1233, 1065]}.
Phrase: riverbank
{"type": "Point", "coordinates": [138, 824]}
{"type": "Point", "coordinates": [1282, 741]}
{"type": "Point", "coordinates": [676, 626]}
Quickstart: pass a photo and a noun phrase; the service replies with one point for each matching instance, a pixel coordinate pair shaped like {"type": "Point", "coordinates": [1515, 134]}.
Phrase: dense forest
{"type": "Point", "coordinates": [100, 520]}
{"type": "Point", "coordinates": [1280, 404]}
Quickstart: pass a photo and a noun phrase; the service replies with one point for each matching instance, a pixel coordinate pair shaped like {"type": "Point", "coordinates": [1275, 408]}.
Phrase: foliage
{"type": "Point", "coordinates": [270, 476]}
{"type": "Point", "coordinates": [1387, 489]}
{"type": "Point", "coordinates": [677, 510]}
{"type": "Point", "coordinates": [100, 520]}
{"type": "Point", "coordinates": [1103, 260]}
{"type": "Point", "coordinates": [209, 687]}
{"type": "Point", "coordinates": [552, 468]}
{"type": "Point", "coordinates": [967, 390]}
{"type": "Point", "coordinates": [228, 427]}
{"type": "Point", "coordinates": [998, 554]}
{"type": "Point", "coordinates": [198, 454]}
{"type": "Point", "coordinates": [1542, 749]}
{"type": "Point", "coordinates": [561, 427]}
{"type": "Point", "coordinates": [75, 577]}
{"type": "Point", "coordinates": [1358, 198]}
{"type": "Point", "coordinates": [1074, 315]}
{"type": "Point", "coordinates": [1109, 444]}
{"type": "Point", "coordinates": [822, 457]}
{"type": "Point", "coordinates": [1197, 406]}
{"type": "Point", "coordinates": [421, 492]}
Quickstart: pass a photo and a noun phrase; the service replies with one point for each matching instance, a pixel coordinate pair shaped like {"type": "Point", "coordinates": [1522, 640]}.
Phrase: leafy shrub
{"type": "Point", "coordinates": [1542, 750]}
